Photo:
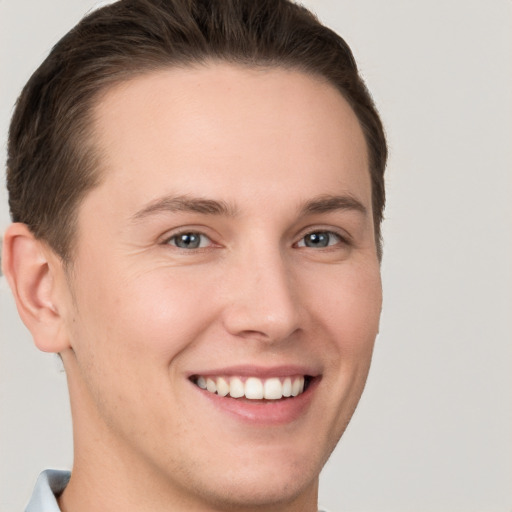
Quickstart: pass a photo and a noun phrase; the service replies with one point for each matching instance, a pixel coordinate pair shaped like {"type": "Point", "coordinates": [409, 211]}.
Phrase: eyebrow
{"type": "Point", "coordinates": [170, 204]}
{"type": "Point", "coordinates": [184, 203]}
{"type": "Point", "coordinates": [329, 203]}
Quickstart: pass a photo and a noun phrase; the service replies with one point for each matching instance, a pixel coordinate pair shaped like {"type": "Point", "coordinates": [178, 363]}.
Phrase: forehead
{"type": "Point", "coordinates": [227, 130]}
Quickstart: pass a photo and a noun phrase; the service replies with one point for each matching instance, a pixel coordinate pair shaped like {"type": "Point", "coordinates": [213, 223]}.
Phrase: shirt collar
{"type": "Point", "coordinates": [49, 486]}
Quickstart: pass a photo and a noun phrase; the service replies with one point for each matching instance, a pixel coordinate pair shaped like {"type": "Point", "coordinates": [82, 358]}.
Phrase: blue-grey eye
{"type": "Point", "coordinates": [319, 239]}
{"type": "Point", "coordinates": [189, 240]}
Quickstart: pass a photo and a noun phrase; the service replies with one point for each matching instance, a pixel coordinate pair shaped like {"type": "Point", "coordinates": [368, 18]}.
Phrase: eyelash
{"type": "Point", "coordinates": [319, 234]}
{"type": "Point", "coordinates": [339, 239]}
{"type": "Point", "coordinates": [190, 233]}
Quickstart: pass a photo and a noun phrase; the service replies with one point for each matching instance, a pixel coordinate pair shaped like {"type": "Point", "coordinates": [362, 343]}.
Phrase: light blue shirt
{"type": "Point", "coordinates": [49, 486]}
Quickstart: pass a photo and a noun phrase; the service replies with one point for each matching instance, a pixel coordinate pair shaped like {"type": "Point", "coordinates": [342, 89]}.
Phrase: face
{"type": "Point", "coordinates": [225, 287]}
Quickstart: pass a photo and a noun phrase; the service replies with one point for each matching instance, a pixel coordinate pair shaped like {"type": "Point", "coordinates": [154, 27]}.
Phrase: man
{"type": "Point", "coordinates": [197, 191]}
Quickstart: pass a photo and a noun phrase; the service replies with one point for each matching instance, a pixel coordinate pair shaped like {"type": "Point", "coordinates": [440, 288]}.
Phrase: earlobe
{"type": "Point", "coordinates": [34, 273]}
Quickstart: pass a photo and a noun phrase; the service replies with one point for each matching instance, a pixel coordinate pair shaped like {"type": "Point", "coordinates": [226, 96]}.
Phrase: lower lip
{"type": "Point", "coordinates": [263, 412]}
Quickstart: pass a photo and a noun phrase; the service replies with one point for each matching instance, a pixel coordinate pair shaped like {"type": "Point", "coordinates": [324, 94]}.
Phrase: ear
{"type": "Point", "coordinates": [34, 274]}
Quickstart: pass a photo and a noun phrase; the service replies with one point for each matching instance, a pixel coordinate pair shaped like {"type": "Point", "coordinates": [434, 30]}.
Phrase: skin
{"type": "Point", "coordinates": [136, 315]}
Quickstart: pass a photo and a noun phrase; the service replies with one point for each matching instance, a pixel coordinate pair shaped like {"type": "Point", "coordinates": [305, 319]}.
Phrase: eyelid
{"type": "Point", "coordinates": [182, 230]}
{"type": "Point", "coordinates": [302, 244]}
{"type": "Point", "coordinates": [201, 236]}
{"type": "Point", "coordinates": [343, 236]}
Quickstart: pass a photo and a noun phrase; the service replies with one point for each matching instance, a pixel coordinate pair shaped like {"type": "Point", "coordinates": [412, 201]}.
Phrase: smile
{"type": "Point", "coordinates": [254, 388]}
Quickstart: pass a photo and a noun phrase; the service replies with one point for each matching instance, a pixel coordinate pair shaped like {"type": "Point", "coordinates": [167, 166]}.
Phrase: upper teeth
{"type": "Point", "coordinates": [253, 388]}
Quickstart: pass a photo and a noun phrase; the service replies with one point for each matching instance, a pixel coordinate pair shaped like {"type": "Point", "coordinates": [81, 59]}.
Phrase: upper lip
{"type": "Point", "coordinates": [259, 371]}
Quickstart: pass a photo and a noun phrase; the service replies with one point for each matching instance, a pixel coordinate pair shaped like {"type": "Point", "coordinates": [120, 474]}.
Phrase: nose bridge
{"type": "Point", "coordinates": [263, 300]}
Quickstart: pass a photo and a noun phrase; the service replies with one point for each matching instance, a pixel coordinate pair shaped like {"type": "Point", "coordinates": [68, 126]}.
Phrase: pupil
{"type": "Point", "coordinates": [188, 240]}
{"type": "Point", "coordinates": [317, 240]}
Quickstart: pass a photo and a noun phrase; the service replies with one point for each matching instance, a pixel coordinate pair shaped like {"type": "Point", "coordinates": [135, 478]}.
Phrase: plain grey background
{"type": "Point", "coordinates": [433, 431]}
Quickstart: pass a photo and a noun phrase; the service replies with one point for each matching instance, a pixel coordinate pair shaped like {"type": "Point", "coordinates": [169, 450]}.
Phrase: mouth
{"type": "Point", "coordinates": [254, 388]}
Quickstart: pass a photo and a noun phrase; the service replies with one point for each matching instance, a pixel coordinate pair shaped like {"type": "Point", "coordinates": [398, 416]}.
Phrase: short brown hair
{"type": "Point", "coordinates": [51, 160]}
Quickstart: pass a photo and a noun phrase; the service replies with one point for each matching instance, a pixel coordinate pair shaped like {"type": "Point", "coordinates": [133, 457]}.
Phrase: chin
{"type": "Point", "coordinates": [273, 485]}
{"type": "Point", "coordinates": [264, 491]}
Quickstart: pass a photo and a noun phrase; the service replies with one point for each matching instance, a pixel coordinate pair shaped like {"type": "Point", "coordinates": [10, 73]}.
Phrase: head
{"type": "Point", "coordinates": [199, 189]}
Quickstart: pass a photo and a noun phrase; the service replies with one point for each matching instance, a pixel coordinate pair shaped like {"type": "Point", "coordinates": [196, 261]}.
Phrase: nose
{"type": "Point", "coordinates": [262, 299]}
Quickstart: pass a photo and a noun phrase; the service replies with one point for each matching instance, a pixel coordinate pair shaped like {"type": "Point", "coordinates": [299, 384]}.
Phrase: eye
{"type": "Point", "coordinates": [189, 240]}
{"type": "Point", "coordinates": [320, 239]}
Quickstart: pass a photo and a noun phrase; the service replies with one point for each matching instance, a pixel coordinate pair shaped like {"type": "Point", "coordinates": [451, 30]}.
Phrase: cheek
{"type": "Point", "coordinates": [348, 302]}
{"type": "Point", "coordinates": [349, 311]}
{"type": "Point", "coordinates": [125, 335]}
{"type": "Point", "coordinates": [150, 315]}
